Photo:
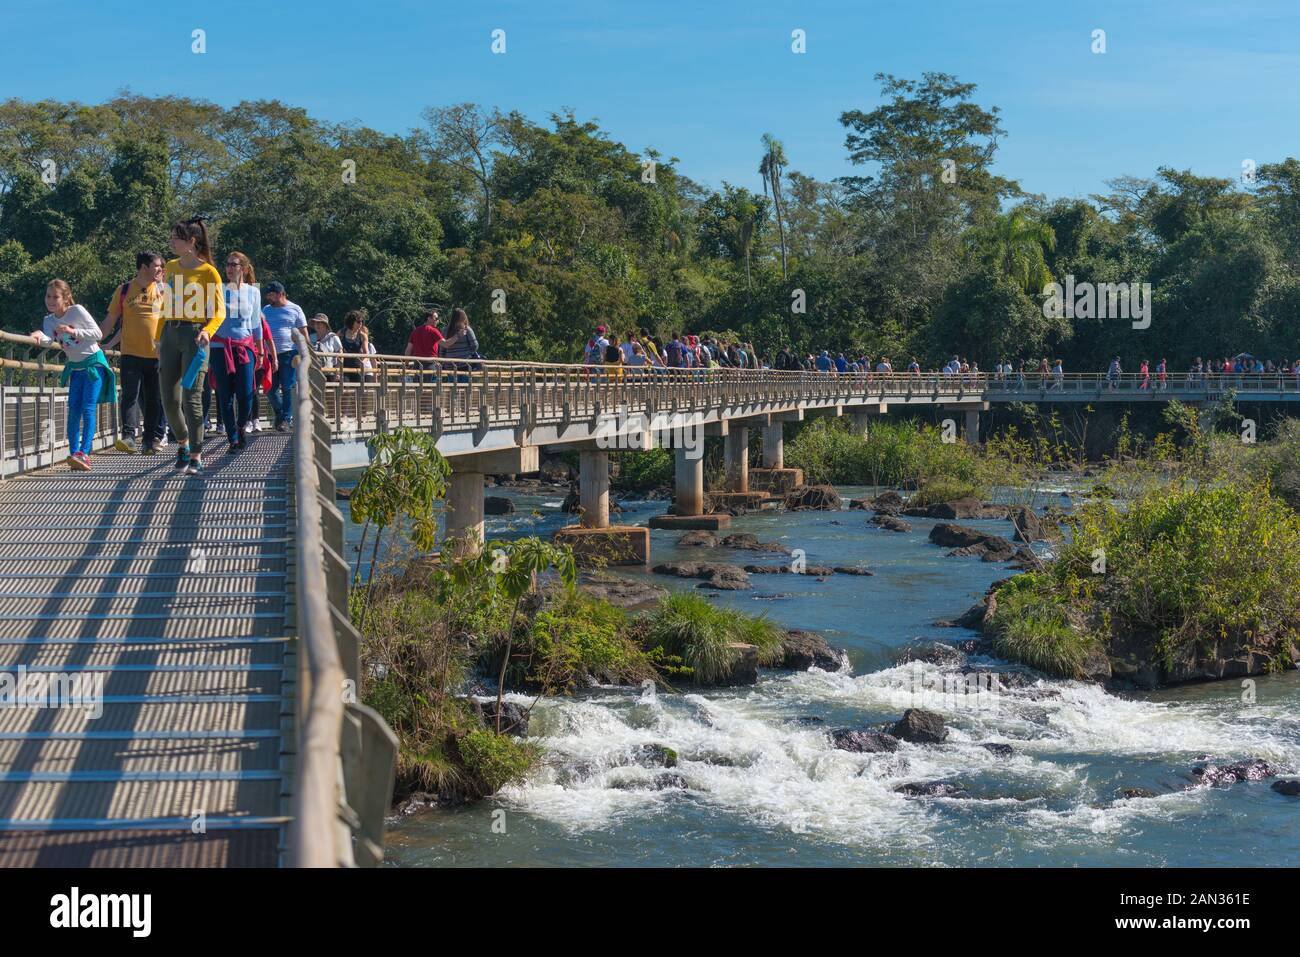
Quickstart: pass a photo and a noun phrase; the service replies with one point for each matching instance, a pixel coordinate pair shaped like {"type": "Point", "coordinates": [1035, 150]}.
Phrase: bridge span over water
{"type": "Point", "coordinates": [208, 615]}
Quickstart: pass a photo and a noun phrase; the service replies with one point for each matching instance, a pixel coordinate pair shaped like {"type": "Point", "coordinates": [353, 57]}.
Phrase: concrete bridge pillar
{"type": "Point", "coordinates": [860, 423]}
{"type": "Point", "coordinates": [465, 493]}
{"type": "Point", "coordinates": [774, 446]}
{"type": "Point", "coordinates": [972, 427]}
{"type": "Point", "coordinates": [688, 497]}
{"type": "Point", "coordinates": [689, 481]}
{"type": "Point", "coordinates": [593, 540]}
{"type": "Point", "coordinates": [465, 513]}
{"type": "Point", "coordinates": [593, 488]}
{"type": "Point", "coordinates": [736, 453]}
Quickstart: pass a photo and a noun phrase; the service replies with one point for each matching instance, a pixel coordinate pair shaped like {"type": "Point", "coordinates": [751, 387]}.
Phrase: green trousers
{"type": "Point", "coordinates": [184, 407]}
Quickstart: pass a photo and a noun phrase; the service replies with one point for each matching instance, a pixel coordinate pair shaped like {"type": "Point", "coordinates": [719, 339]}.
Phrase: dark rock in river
{"type": "Point", "coordinates": [932, 652]}
{"type": "Point", "coordinates": [1129, 793]}
{"type": "Point", "coordinates": [862, 741]}
{"type": "Point", "coordinates": [654, 756]}
{"type": "Point", "coordinates": [999, 750]}
{"type": "Point", "coordinates": [342, 494]}
{"type": "Point", "coordinates": [1251, 769]}
{"type": "Point", "coordinates": [698, 539]}
{"type": "Point", "coordinates": [715, 574]}
{"type": "Point", "coordinates": [745, 669]}
{"type": "Point", "coordinates": [1290, 788]}
{"type": "Point", "coordinates": [745, 541]}
{"type": "Point", "coordinates": [852, 570]}
{"type": "Point", "coordinates": [933, 789]}
{"type": "Point", "coordinates": [623, 592]}
{"type": "Point", "coordinates": [556, 470]}
{"type": "Point", "coordinates": [497, 505]}
{"type": "Point", "coordinates": [920, 727]}
{"type": "Point", "coordinates": [971, 541]}
{"type": "Point", "coordinates": [1029, 527]}
{"type": "Point", "coordinates": [514, 717]}
{"type": "Point", "coordinates": [968, 507]}
{"type": "Point", "coordinates": [801, 650]}
{"type": "Point", "coordinates": [822, 497]}
{"type": "Point", "coordinates": [572, 503]}
{"type": "Point", "coordinates": [890, 523]}
{"type": "Point", "coordinates": [1096, 666]}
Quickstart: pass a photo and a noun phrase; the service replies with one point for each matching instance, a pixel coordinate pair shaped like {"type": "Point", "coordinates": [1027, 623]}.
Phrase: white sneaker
{"type": "Point", "coordinates": [254, 425]}
{"type": "Point", "coordinates": [162, 442]}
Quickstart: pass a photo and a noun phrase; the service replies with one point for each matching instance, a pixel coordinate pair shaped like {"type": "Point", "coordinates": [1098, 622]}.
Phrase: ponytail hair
{"type": "Point", "coordinates": [249, 276]}
{"type": "Point", "coordinates": [196, 231]}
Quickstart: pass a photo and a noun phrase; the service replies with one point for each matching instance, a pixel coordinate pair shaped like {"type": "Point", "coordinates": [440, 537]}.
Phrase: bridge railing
{"type": "Point", "coordinates": [465, 394]}
{"type": "Point", "coordinates": [1136, 383]}
{"type": "Point", "coordinates": [346, 754]}
{"type": "Point", "coordinates": [34, 408]}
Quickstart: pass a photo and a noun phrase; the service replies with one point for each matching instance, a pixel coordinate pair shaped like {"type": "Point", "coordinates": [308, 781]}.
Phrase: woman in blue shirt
{"type": "Point", "coordinates": [235, 349]}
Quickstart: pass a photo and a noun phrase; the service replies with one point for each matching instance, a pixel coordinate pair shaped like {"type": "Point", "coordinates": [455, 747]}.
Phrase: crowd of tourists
{"type": "Point", "coordinates": [186, 335]}
{"type": "Point", "coordinates": [641, 349]}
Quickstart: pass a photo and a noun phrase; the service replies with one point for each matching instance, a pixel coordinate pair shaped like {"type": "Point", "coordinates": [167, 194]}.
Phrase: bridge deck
{"type": "Point", "coordinates": [178, 593]}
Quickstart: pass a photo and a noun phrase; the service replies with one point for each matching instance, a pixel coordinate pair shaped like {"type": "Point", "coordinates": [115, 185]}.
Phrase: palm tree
{"type": "Point", "coordinates": [745, 233]}
{"type": "Point", "coordinates": [1014, 245]}
{"type": "Point", "coordinates": [770, 169]}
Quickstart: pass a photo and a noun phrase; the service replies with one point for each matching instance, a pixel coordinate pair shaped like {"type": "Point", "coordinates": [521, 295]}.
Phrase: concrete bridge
{"type": "Point", "coordinates": [214, 610]}
{"type": "Point", "coordinates": [495, 418]}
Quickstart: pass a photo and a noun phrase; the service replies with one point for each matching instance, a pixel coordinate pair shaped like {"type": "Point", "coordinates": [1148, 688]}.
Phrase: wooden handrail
{"type": "Point", "coordinates": [317, 836]}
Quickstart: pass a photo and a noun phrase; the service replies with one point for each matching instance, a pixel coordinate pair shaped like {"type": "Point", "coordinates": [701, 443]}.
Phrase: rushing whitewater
{"type": "Point", "coordinates": [757, 781]}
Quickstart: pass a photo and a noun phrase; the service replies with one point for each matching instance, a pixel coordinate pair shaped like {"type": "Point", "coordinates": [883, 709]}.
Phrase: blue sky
{"type": "Point", "coordinates": [1191, 84]}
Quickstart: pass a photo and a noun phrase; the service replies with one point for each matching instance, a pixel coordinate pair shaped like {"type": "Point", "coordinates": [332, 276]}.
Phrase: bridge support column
{"type": "Point", "coordinates": [465, 492]}
{"type": "Point", "coordinates": [593, 488]}
{"type": "Point", "coordinates": [593, 540]}
{"type": "Point", "coordinates": [972, 427]}
{"type": "Point", "coordinates": [860, 423]}
{"type": "Point", "coordinates": [688, 478]}
{"type": "Point", "coordinates": [736, 453]}
{"type": "Point", "coordinates": [774, 477]}
{"type": "Point", "coordinates": [774, 446]}
{"type": "Point", "coordinates": [688, 496]}
{"type": "Point", "coordinates": [465, 513]}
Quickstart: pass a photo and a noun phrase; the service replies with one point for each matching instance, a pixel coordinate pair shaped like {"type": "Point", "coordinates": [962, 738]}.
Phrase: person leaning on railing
{"type": "Point", "coordinates": [86, 372]}
{"type": "Point", "coordinates": [193, 311]}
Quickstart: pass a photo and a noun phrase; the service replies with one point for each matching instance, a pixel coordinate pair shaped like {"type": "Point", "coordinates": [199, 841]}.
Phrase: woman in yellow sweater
{"type": "Point", "coordinates": [194, 309]}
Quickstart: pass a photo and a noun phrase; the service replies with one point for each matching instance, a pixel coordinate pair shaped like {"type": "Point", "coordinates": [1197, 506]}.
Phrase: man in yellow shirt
{"type": "Point", "coordinates": [136, 309]}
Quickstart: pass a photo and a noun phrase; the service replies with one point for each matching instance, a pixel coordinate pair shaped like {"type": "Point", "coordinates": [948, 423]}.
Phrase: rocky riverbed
{"type": "Point", "coordinates": [1027, 771]}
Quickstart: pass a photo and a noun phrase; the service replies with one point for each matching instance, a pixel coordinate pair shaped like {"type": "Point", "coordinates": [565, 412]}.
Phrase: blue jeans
{"type": "Point", "coordinates": [282, 387]}
{"type": "Point", "coordinates": [234, 395]}
{"type": "Point", "coordinates": [83, 395]}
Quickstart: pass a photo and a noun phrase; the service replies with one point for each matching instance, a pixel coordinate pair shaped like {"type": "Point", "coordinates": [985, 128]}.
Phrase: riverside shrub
{"type": "Point", "coordinates": [1187, 568]}
{"type": "Point", "coordinates": [892, 453]}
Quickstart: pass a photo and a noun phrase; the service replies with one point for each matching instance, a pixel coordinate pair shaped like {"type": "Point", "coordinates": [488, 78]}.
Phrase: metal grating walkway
{"type": "Point", "coordinates": [173, 596]}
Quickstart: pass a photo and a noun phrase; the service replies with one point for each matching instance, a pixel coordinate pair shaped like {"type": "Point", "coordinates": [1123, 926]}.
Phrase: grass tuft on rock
{"type": "Point", "coordinates": [689, 626]}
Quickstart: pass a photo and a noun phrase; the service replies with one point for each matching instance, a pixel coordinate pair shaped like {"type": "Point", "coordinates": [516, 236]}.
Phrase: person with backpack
{"type": "Point", "coordinates": [133, 317]}
{"type": "Point", "coordinates": [594, 353]}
